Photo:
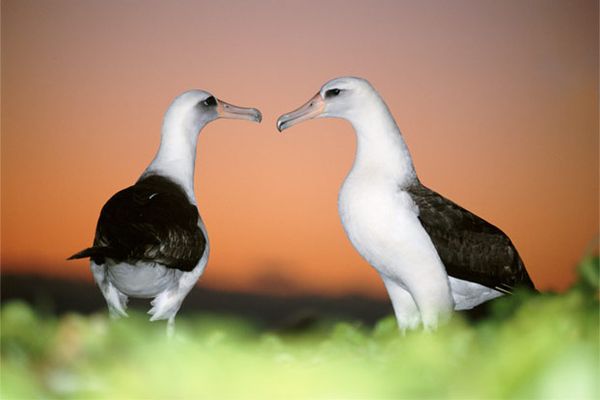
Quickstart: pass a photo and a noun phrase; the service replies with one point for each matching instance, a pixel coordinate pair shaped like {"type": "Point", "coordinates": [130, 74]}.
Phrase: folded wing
{"type": "Point", "coordinates": [151, 221]}
{"type": "Point", "coordinates": [470, 248]}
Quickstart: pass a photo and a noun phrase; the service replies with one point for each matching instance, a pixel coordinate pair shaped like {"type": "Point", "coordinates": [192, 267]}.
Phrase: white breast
{"type": "Point", "coordinates": [382, 224]}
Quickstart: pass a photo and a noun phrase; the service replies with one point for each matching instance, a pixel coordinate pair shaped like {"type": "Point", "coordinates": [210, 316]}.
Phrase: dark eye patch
{"type": "Point", "coordinates": [209, 101]}
{"type": "Point", "coordinates": [332, 92]}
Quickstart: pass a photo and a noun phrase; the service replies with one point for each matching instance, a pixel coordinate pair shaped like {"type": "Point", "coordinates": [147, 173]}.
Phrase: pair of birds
{"type": "Point", "coordinates": [432, 255]}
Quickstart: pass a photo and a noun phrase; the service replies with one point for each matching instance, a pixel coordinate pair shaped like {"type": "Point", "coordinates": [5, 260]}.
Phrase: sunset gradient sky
{"type": "Point", "coordinates": [497, 100]}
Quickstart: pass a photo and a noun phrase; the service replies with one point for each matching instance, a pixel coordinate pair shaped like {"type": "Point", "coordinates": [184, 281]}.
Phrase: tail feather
{"type": "Point", "coordinates": [93, 253]}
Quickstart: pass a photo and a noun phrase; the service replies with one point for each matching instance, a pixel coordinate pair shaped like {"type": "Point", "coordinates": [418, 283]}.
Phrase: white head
{"type": "Point", "coordinates": [345, 97]}
{"type": "Point", "coordinates": [380, 146]}
{"type": "Point", "coordinates": [184, 119]}
{"type": "Point", "coordinates": [193, 109]}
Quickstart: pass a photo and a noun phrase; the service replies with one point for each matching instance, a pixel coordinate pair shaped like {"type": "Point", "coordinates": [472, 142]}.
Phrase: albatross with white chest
{"type": "Point", "coordinates": [150, 241]}
{"type": "Point", "coordinates": [432, 255]}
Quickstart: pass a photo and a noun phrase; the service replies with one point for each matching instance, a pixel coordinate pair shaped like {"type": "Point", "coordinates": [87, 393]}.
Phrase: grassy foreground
{"type": "Point", "coordinates": [531, 346]}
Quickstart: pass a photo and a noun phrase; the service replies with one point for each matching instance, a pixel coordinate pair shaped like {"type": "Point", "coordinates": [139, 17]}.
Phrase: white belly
{"type": "Point", "coordinates": [143, 280]}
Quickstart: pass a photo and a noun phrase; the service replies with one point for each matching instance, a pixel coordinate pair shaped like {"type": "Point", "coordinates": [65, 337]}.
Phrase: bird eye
{"type": "Point", "coordinates": [209, 101]}
{"type": "Point", "coordinates": [332, 92]}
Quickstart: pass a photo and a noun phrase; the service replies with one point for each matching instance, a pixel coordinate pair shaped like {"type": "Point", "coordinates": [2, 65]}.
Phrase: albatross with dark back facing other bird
{"type": "Point", "coordinates": [150, 241]}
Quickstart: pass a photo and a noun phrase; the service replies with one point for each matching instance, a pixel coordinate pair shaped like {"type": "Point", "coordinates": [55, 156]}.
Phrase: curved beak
{"type": "Point", "coordinates": [226, 110]}
{"type": "Point", "coordinates": [312, 109]}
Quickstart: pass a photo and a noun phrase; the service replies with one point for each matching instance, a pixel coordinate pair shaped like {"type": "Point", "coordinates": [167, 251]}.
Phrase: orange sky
{"type": "Point", "coordinates": [497, 100]}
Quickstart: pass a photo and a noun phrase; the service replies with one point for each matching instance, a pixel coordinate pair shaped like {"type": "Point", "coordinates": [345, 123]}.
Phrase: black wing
{"type": "Point", "coordinates": [151, 221]}
{"type": "Point", "coordinates": [470, 248]}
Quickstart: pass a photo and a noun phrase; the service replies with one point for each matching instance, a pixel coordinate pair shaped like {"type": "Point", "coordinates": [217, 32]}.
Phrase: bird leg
{"type": "Point", "coordinates": [405, 308]}
{"type": "Point", "coordinates": [171, 327]}
{"type": "Point", "coordinates": [435, 303]}
{"type": "Point", "coordinates": [167, 303]}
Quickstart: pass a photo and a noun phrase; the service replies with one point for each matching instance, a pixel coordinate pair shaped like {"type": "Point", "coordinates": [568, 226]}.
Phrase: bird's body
{"type": "Point", "coordinates": [150, 241]}
{"type": "Point", "coordinates": [432, 255]}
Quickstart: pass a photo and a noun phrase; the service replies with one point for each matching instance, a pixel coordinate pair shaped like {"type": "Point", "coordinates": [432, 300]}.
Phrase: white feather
{"type": "Point", "coordinates": [470, 294]}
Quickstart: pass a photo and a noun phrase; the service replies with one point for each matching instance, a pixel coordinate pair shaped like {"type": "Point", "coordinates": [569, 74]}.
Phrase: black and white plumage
{"type": "Point", "coordinates": [150, 241]}
{"type": "Point", "coordinates": [432, 255]}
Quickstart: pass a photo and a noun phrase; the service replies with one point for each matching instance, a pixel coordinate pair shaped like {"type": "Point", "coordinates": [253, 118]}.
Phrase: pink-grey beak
{"type": "Point", "coordinates": [226, 110]}
{"type": "Point", "coordinates": [312, 109]}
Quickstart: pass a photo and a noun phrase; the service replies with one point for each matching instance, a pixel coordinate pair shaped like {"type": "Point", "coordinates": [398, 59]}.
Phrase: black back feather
{"type": "Point", "coordinates": [151, 221]}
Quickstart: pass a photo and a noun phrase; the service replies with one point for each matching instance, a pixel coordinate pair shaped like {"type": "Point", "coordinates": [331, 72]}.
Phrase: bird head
{"type": "Point", "coordinates": [343, 97]}
{"type": "Point", "coordinates": [196, 108]}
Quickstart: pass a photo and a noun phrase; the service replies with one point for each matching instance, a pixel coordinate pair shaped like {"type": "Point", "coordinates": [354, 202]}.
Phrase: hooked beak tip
{"type": "Point", "coordinates": [282, 124]}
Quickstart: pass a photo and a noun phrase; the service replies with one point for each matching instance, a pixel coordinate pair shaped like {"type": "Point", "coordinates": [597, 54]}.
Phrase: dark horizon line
{"type": "Point", "coordinates": [57, 296]}
{"type": "Point", "coordinates": [259, 288]}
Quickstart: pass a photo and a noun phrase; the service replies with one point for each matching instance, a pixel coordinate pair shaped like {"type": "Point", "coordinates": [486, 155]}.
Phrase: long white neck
{"type": "Point", "coordinates": [176, 156]}
{"type": "Point", "coordinates": [381, 153]}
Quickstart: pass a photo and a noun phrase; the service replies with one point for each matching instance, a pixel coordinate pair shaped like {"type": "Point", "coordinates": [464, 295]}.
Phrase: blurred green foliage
{"type": "Point", "coordinates": [534, 346]}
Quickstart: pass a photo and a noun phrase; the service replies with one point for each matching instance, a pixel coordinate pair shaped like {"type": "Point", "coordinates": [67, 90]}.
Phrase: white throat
{"type": "Point", "coordinates": [381, 152]}
{"type": "Point", "coordinates": [176, 155]}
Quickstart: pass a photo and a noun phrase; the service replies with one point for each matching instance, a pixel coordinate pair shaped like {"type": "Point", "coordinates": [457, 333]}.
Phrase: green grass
{"type": "Point", "coordinates": [531, 346]}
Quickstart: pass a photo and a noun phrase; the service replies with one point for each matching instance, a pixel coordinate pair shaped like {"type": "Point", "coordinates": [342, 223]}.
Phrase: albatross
{"type": "Point", "coordinates": [432, 255]}
{"type": "Point", "coordinates": [150, 240]}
